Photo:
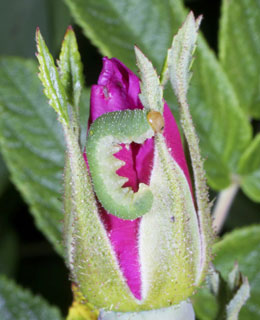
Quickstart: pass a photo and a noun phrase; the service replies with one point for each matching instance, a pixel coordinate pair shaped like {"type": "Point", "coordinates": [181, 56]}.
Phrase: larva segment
{"type": "Point", "coordinates": [105, 135]}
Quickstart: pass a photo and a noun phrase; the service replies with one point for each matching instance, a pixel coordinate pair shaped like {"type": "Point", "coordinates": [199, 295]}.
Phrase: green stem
{"type": "Point", "coordinates": [223, 204]}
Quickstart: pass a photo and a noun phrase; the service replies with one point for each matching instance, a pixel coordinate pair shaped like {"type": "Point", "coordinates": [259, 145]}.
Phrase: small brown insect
{"type": "Point", "coordinates": [156, 121]}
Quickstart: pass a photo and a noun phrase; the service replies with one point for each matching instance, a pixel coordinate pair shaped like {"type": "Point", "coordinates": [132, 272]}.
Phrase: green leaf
{"type": "Point", "coordinates": [20, 304]}
{"type": "Point", "coordinates": [243, 246]}
{"type": "Point", "coordinates": [19, 19]}
{"type": "Point", "coordinates": [249, 169]}
{"type": "Point", "coordinates": [239, 44]}
{"type": "Point", "coordinates": [223, 129]}
{"type": "Point", "coordinates": [32, 143]}
{"type": "Point", "coordinates": [53, 87]}
{"type": "Point", "coordinates": [116, 26]}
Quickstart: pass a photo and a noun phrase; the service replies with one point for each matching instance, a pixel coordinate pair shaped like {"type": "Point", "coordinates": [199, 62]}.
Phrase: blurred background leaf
{"type": "Point", "coordinates": [239, 50]}
{"type": "Point", "coordinates": [20, 304]}
{"type": "Point", "coordinates": [249, 169]}
{"type": "Point", "coordinates": [32, 143]}
{"type": "Point", "coordinates": [114, 27]}
{"type": "Point", "coordinates": [243, 246]}
{"type": "Point", "coordinates": [19, 19]}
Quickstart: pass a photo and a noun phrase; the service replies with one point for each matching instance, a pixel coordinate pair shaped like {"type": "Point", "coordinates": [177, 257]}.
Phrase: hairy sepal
{"type": "Point", "coordinates": [169, 235]}
{"type": "Point", "coordinates": [151, 94]}
{"type": "Point", "coordinates": [90, 256]}
{"type": "Point", "coordinates": [93, 263]}
{"type": "Point", "coordinates": [49, 77]}
{"type": "Point", "coordinates": [71, 68]}
{"type": "Point", "coordinates": [179, 63]}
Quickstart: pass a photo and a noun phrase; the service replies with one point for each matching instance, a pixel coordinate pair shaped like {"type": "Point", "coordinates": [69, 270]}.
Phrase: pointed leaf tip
{"type": "Point", "coordinates": [151, 94]}
{"type": "Point", "coordinates": [49, 77]}
{"type": "Point", "coordinates": [71, 71]}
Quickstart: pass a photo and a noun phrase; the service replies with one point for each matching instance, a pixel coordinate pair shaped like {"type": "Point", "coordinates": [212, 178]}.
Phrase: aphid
{"type": "Point", "coordinates": [156, 121]}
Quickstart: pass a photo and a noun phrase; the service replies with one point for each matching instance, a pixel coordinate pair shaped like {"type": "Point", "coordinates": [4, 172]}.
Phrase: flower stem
{"type": "Point", "coordinates": [223, 204]}
{"type": "Point", "coordinates": [183, 311]}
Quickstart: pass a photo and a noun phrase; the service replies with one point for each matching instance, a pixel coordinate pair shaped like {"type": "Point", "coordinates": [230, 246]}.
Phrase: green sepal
{"type": "Point", "coordinates": [71, 69]}
{"type": "Point", "coordinates": [179, 64]}
{"type": "Point", "coordinates": [169, 237]}
{"type": "Point", "coordinates": [151, 94]}
{"type": "Point", "coordinates": [231, 294]}
{"type": "Point", "coordinates": [91, 256]}
{"type": "Point", "coordinates": [49, 77]}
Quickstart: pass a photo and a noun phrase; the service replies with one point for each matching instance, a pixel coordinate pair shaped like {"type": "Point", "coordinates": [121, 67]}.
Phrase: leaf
{"type": "Point", "coordinates": [243, 246]}
{"type": "Point", "coordinates": [32, 143]}
{"type": "Point", "coordinates": [115, 26]}
{"type": "Point", "coordinates": [19, 304]}
{"type": "Point", "coordinates": [239, 43]}
{"type": "Point", "coordinates": [249, 169]}
{"type": "Point", "coordinates": [222, 127]}
{"type": "Point", "coordinates": [19, 19]}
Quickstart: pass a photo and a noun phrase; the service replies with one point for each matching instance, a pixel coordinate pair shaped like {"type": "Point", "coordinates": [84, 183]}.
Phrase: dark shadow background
{"type": "Point", "coordinates": [25, 254]}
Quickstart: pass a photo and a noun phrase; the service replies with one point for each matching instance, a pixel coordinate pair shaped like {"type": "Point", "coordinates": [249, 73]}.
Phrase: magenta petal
{"type": "Point", "coordinates": [117, 75]}
{"type": "Point", "coordinates": [123, 235]}
{"type": "Point", "coordinates": [117, 89]}
{"type": "Point", "coordinates": [144, 161]}
{"type": "Point", "coordinates": [128, 170]}
{"type": "Point", "coordinates": [174, 143]}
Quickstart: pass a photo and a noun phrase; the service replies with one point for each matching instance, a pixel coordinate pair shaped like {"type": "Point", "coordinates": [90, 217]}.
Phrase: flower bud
{"type": "Point", "coordinates": [136, 236]}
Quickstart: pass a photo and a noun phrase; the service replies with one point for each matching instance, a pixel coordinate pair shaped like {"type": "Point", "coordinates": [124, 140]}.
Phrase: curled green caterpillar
{"type": "Point", "coordinates": [103, 141]}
